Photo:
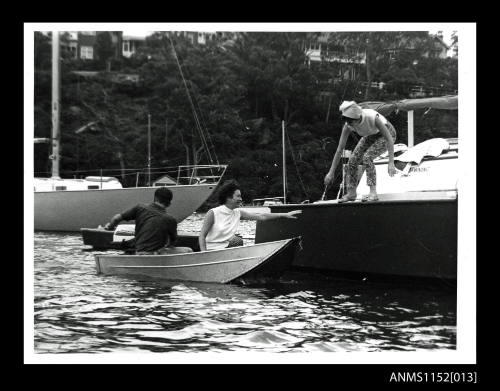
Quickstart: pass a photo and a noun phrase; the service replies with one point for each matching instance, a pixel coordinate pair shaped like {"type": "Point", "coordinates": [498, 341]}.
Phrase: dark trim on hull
{"type": "Point", "coordinates": [367, 278]}
{"type": "Point", "coordinates": [394, 238]}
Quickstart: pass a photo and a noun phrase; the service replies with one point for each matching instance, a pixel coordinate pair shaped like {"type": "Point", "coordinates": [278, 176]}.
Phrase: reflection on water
{"type": "Point", "coordinates": [78, 311]}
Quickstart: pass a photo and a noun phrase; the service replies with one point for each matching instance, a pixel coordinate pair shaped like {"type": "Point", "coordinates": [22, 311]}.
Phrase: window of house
{"type": "Point", "coordinates": [87, 52]}
{"type": "Point", "coordinates": [126, 46]}
{"type": "Point", "coordinates": [315, 46]}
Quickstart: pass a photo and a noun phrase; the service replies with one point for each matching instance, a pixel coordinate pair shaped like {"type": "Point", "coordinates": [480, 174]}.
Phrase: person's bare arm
{"type": "Point", "coordinates": [338, 154]}
{"type": "Point", "coordinates": [115, 220]}
{"type": "Point", "coordinates": [245, 215]}
{"type": "Point", "coordinates": [208, 222]}
{"type": "Point", "coordinates": [391, 169]}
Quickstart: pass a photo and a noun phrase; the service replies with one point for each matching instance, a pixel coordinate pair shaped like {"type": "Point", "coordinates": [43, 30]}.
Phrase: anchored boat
{"type": "Point", "coordinates": [249, 262]}
{"type": "Point", "coordinates": [411, 231]}
{"type": "Point", "coordinates": [69, 204]}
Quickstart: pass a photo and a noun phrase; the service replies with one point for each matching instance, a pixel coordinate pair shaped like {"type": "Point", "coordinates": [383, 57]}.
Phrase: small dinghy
{"type": "Point", "coordinates": [250, 262]}
{"type": "Point", "coordinates": [122, 238]}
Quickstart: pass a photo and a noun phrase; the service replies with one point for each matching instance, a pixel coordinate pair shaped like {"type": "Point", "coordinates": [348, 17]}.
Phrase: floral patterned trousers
{"type": "Point", "coordinates": [368, 148]}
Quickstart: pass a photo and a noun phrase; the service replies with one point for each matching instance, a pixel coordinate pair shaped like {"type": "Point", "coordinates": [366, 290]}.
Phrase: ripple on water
{"type": "Point", "coordinates": [168, 335]}
{"type": "Point", "coordinates": [267, 338]}
{"type": "Point", "coordinates": [79, 311]}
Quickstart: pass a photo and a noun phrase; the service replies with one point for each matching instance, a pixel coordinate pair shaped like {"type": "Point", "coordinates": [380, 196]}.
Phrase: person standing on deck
{"type": "Point", "coordinates": [155, 229]}
{"type": "Point", "coordinates": [221, 223]}
{"type": "Point", "coordinates": [377, 136]}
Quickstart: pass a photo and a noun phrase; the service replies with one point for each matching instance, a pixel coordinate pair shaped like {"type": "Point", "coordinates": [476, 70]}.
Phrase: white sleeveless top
{"type": "Point", "coordinates": [367, 125]}
{"type": "Point", "coordinates": [226, 222]}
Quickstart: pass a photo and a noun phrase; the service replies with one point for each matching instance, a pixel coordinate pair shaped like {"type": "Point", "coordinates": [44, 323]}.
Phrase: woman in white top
{"type": "Point", "coordinates": [221, 223]}
{"type": "Point", "coordinates": [377, 136]}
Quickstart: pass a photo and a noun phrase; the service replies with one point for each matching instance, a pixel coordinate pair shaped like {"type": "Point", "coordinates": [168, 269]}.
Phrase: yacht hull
{"type": "Point", "coordinates": [72, 210]}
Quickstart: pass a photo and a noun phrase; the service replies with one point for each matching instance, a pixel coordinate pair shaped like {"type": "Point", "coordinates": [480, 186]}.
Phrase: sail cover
{"type": "Point", "coordinates": [449, 102]}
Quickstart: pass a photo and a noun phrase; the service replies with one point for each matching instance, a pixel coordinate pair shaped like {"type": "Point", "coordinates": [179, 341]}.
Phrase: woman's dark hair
{"type": "Point", "coordinates": [164, 195]}
{"type": "Point", "coordinates": [227, 190]}
{"type": "Point", "coordinates": [348, 119]}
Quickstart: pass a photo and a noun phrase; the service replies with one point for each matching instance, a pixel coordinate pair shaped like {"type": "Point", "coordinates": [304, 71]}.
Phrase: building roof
{"type": "Point", "coordinates": [441, 41]}
{"type": "Point", "coordinates": [133, 38]}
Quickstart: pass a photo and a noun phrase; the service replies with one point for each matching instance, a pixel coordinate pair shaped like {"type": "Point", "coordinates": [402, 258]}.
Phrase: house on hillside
{"type": "Point", "coordinates": [130, 44]}
{"type": "Point", "coordinates": [439, 48]}
{"type": "Point", "coordinates": [346, 61]}
{"type": "Point", "coordinates": [82, 44]}
{"type": "Point", "coordinates": [205, 37]}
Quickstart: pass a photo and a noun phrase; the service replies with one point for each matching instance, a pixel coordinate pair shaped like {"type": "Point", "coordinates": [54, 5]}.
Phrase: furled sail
{"type": "Point", "coordinates": [449, 102]}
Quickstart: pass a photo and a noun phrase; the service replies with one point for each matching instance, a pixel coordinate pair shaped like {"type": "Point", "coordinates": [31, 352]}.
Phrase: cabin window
{"type": "Point", "coordinates": [126, 46]}
{"type": "Point", "coordinates": [60, 187]}
{"type": "Point", "coordinates": [93, 187]}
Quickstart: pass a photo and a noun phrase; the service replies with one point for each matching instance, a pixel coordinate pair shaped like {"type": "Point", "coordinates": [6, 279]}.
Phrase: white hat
{"type": "Point", "coordinates": [350, 109]}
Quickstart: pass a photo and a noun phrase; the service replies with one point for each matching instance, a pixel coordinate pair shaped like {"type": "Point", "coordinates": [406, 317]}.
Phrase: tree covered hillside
{"type": "Point", "coordinates": [239, 93]}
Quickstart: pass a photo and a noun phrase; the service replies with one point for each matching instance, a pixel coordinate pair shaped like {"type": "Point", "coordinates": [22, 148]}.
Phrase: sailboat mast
{"type": "Point", "coordinates": [410, 128]}
{"type": "Point", "coordinates": [55, 105]}
{"type": "Point", "coordinates": [149, 149]}
{"type": "Point", "coordinates": [284, 160]}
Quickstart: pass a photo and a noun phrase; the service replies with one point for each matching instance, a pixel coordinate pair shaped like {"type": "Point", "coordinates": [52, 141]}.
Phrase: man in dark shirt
{"type": "Point", "coordinates": [155, 229]}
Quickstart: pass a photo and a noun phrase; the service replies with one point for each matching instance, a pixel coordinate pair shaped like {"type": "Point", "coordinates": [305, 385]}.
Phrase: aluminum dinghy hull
{"type": "Point", "coordinates": [268, 259]}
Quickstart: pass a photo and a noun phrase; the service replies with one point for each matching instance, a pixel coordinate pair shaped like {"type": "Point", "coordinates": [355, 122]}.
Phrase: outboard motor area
{"type": "Point", "coordinates": [124, 232]}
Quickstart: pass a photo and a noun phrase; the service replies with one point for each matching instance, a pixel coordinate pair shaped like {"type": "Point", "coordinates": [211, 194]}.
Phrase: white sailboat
{"type": "Point", "coordinates": [70, 204]}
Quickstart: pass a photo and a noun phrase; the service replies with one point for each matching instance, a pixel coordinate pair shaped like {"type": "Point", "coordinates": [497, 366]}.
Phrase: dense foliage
{"type": "Point", "coordinates": [240, 92]}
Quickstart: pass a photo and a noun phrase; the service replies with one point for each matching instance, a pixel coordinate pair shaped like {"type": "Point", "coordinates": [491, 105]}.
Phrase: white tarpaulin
{"type": "Point", "coordinates": [433, 147]}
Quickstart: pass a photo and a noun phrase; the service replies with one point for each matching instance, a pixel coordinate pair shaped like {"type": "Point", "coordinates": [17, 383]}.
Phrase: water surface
{"type": "Point", "coordinates": [78, 311]}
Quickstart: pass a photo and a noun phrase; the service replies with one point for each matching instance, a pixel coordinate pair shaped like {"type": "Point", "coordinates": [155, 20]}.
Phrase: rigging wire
{"type": "Point", "coordinates": [197, 121]}
{"type": "Point", "coordinates": [296, 167]}
{"type": "Point", "coordinates": [206, 129]}
{"type": "Point", "coordinates": [187, 89]}
{"type": "Point", "coordinates": [165, 169]}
